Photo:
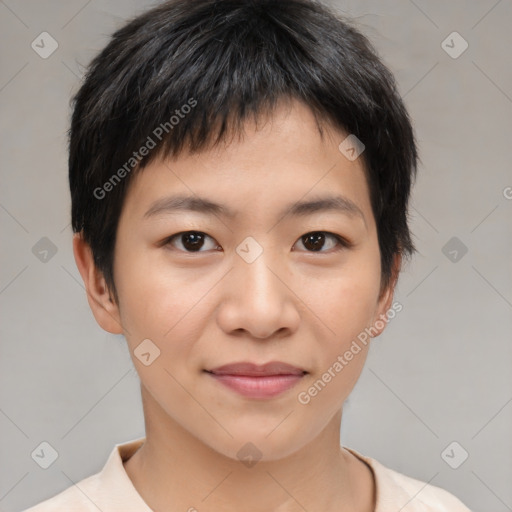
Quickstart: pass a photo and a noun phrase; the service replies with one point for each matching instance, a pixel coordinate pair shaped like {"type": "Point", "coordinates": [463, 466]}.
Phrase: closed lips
{"type": "Point", "coordinates": [253, 370]}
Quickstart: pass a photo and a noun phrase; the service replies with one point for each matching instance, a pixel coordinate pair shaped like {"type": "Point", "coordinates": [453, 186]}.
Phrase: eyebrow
{"type": "Point", "coordinates": [186, 203]}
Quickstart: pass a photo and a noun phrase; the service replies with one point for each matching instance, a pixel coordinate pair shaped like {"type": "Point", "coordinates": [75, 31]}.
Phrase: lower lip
{"type": "Point", "coordinates": [258, 387]}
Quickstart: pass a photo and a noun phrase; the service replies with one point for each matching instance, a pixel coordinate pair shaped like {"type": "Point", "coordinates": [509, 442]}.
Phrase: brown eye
{"type": "Point", "coordinates": [316, 240]}
{"type": "Point", "coordinates": [190, 241]}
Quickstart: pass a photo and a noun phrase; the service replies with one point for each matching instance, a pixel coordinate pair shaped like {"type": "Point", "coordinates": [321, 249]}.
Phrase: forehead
{"type": "Point", "coordinates": [283, 159]}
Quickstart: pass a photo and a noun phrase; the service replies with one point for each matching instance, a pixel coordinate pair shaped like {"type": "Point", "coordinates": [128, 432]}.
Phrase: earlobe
{"type": "Point", "coordinates": [104, 309]}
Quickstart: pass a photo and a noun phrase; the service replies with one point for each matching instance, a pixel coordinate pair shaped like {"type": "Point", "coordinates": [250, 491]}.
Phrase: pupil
{"type": "Point", "coordinates": [318, 240]}
{"type": "Point", "coordinates": [193, 241]}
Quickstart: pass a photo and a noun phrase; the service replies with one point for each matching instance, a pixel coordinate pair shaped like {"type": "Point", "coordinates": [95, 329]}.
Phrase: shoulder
{"type": "Point", "coordinates": [417, 495]}
{"type": "Point", "coordinates": [396, 491]}
{"type": "Point", "coordinates": [109, 489]}
{"type": "Point", "coordinates": [74, 498]}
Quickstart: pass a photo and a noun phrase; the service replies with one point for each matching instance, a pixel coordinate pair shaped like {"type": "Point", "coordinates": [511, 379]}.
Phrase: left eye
{"type": "Point", "coordinates": [315, 240]}
{"type": "Point", "coordinates": [194, 241]}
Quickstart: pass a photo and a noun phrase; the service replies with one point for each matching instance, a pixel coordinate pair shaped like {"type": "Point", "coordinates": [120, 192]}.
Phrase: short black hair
{"type": "Point", "coordinates": [186, 73]}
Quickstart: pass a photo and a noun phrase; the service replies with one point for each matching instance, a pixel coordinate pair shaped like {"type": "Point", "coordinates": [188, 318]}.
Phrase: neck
{"type": "Point", "coordinates": [174, 470]}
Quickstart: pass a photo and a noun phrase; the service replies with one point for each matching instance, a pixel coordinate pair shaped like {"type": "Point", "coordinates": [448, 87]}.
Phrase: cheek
{"type": "Point", "coordinates": [346, 298]}
{"type": "Point", "coordinates": [168, 305]}
{"type": "Point", "coordinates": [354, 306]}
{"type": "Point", "coordinates": [346, 303]}
{"type": "Point", "coordinates": [346, 308]}
{"type": "Point", "coordinates": [153, 297]}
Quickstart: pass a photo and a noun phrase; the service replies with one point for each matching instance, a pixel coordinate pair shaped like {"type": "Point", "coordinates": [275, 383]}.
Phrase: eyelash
{"type": "Point", "coordinates": [342, 242]}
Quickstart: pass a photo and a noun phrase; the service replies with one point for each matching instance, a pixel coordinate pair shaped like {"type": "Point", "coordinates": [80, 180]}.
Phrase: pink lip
{"type": "Point", "coordinates": [255, 381]}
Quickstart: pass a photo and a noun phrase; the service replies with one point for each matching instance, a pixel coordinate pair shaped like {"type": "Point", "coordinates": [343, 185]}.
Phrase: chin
{"type": "Point", "coordinates": [258, 447]}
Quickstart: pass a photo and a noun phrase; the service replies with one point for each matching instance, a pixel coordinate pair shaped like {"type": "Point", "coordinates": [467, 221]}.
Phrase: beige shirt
{"type": "Point", "coordinates": [111, 490]}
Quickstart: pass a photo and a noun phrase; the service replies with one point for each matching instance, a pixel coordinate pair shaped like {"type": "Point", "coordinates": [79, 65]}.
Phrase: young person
{"type": "Point", "coordinates": [240, 173]}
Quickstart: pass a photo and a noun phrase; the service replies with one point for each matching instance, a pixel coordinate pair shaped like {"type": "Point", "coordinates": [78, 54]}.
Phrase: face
{"type": "Point", "coordinates": [261, 278]}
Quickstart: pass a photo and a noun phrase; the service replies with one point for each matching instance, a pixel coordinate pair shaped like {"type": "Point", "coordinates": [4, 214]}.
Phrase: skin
{"type": "Point", "coordinates": [209, 308]}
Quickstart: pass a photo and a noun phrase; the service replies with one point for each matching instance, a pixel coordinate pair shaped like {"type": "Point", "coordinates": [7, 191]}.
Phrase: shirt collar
{"type": "Point", "coordinates": [116, 480]}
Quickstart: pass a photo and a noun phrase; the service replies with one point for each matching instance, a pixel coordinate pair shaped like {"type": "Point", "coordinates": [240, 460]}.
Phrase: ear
{"type": "Point", "coordinates": [386, 298]}
{"type": "Point", "coordinates": [104, 309]}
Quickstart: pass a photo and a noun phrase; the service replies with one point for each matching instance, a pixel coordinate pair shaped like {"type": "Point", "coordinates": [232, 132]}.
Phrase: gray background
{"type": "Point", "coordinates": [440, 373]}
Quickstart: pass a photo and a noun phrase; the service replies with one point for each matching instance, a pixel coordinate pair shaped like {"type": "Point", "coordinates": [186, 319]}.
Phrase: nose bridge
{"type": "Point", "coordinates": [256, 268]}
{"type": "Point", "coordinates": [259, 301]}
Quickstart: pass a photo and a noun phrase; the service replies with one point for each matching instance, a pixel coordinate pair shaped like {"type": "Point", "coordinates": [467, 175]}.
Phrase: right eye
{"type": "Point", "coordinates": [190, 241]}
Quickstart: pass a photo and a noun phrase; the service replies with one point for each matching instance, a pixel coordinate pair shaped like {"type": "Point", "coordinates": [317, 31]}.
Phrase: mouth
{"type": "Point", "coordinates": [253, 370]}
{"type": "Point", "coordinates": [258, 381]}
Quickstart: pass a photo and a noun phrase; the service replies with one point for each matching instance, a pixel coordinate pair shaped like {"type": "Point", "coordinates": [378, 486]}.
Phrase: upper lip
{"type": "Point", "coordinates": [254, 370]}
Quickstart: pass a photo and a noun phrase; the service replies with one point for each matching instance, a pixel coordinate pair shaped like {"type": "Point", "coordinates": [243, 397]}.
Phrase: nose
{"type": "Point", "coordinates": [258, 299]}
